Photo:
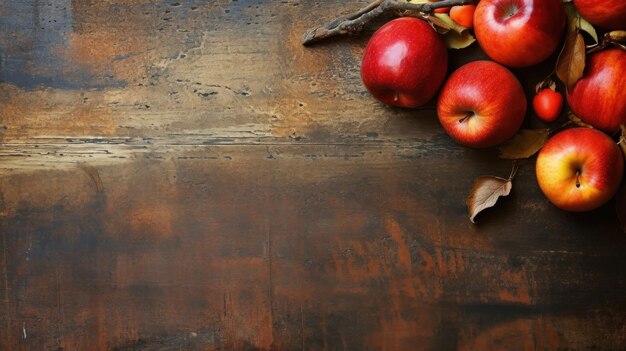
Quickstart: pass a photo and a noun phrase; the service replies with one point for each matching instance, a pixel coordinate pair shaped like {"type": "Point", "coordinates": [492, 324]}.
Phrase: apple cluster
{"type": "Point", "coordinates": [482, 104]}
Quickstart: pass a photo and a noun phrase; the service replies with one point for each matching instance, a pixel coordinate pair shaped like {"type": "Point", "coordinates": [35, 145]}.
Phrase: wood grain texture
{"type": "Point", "coordinates": [185, 175]}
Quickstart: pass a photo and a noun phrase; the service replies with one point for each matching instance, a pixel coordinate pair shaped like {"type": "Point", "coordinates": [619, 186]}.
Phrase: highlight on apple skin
{"type": "Point", "coordinates": [404, 63]}
{"type": "Point", "coordinates": [579, 169]}
{"type": "Point", "coordinates": [481, 105]}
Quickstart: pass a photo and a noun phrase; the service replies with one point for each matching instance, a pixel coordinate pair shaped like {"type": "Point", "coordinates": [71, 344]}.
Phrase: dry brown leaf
{"type": "Point", "coordinates": [571, 63]}
{"type": "Point", "coordinates": [485, 194]}
{"type": "Point", "coordinates": [524, 144]}
{"type": "Point", "coordinates": [577, 121]}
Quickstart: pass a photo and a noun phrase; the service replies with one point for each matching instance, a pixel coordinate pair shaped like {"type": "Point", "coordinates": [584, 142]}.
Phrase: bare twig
{"type": "Point", "coordinates": [353, 23]}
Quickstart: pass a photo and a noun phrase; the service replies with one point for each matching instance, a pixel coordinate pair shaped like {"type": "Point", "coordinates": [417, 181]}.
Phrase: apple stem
{"type": "Point", "coordinates": [354, 22]}
{"type": "Point", "coordinates": [468, 115]}
{"type": "Point", "coordinates": [578, 178]}
{"type": "Point", "coordinates": [513, 170]}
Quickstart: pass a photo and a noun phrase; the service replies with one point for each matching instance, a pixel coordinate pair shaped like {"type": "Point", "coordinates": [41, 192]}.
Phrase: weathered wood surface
{"type": "Point", "coordinates": [185, 175]}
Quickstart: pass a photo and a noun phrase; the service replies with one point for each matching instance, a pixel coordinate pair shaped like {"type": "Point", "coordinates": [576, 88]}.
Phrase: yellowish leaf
{"type": "Point", "coordinates": [456, 36]}
{"type": "Point", "coordinates": [458, 41]}
{"type": "Point", "coordinates": [442, 27]}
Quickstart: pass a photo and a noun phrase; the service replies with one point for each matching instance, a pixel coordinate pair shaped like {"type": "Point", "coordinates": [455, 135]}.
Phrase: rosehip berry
{"type": "Point", "coordinates": [548, 104]}
{"type": "Point", "coordinates": [463, 15]}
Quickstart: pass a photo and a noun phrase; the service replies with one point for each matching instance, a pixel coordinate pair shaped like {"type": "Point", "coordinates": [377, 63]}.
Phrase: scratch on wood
{"type": "Point", "coordinates": [94, 175]}
{"type": "Point", "coordinates": [24, 335]}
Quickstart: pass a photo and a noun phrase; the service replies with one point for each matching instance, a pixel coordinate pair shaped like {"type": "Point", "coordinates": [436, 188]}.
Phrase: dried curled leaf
{"type": "Point", "coordinates": [571, 63]}
{"type": "Point", "coordinates": [485, 194]}
{"type": "Point", "coordinates": [577, 121]}
{"type": "Point", "coordinates": [547, 83]}
{"type": "Point", "coordinates": [455, 35]}
{"type": "Point", "coordinates": [524, 144]}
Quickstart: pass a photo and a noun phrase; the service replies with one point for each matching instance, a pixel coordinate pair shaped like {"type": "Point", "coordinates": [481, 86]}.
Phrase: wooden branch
{"type": "Point", "coordinates": [353, 23]}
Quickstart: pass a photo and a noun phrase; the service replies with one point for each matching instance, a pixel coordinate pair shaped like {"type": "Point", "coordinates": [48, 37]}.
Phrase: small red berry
{"type": "Point", "coordinates": [548, 104]}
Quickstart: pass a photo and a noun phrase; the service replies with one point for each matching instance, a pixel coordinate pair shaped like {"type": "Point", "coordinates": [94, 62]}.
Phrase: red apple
{"type": "Point", "coordinates": [608, 14]}
{"type": "Point", "coordinates": [519, 33]}
{"type": "Point", "coordinates": [579, 169]}
{"type": "Point", "coordinates": [599, 97]}
{"type": "Point", "coordinates": [481, 105]}
{"type": "Point", "coordinates": [404, 63]}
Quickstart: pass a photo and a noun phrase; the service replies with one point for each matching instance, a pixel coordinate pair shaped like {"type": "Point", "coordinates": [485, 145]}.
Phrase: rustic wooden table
{"type": "Point", "coordinates": [184, 175]}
